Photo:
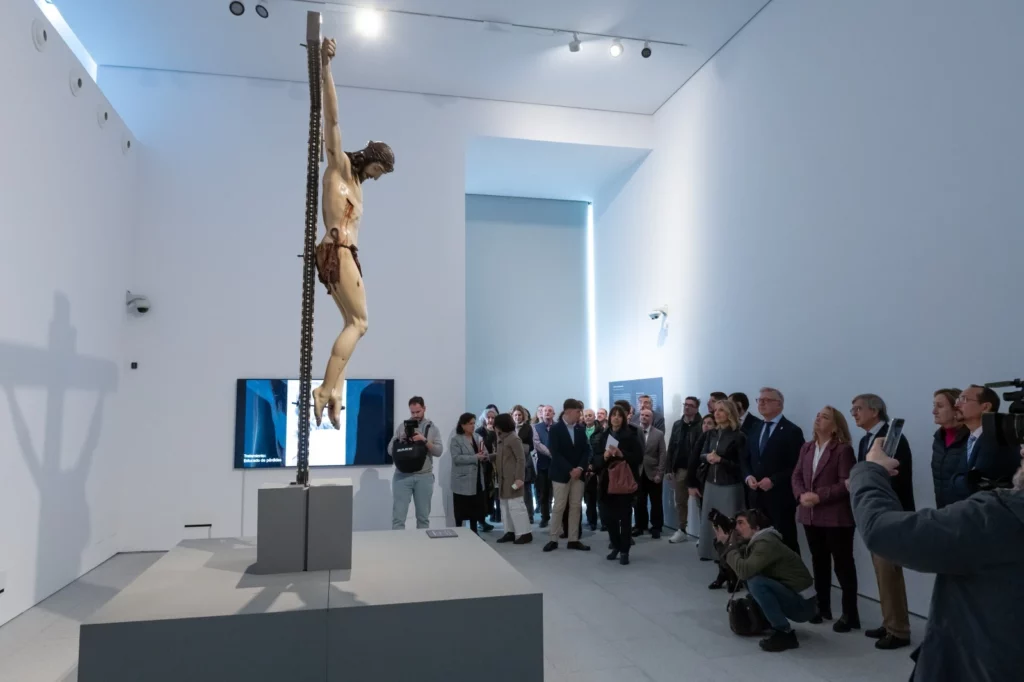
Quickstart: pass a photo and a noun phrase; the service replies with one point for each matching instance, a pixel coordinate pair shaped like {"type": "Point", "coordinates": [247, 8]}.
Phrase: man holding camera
{"type": "Point", "coordinates": [976, 549]}
{"type": "Point", "coordinates": [416, 443]}
{"type": "Point", "coordinates": [774, 573]}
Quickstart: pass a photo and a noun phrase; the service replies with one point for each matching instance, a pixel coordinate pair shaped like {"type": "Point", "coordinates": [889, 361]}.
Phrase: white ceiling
{"type": "Point", "coordinates": [423, 54]}
{"type": "Point", "coordinates": [547, 170]}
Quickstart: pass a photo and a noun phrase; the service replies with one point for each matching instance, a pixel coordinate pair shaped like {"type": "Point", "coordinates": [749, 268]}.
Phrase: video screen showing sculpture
{"type": "Point", "coordinates": [267, 425]}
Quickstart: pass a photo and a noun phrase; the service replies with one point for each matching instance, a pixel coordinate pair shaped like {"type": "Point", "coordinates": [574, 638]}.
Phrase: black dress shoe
{"type": "Point", "coordinates": [637, 532]}
{"type": "Point", "coordinates": [579, 546]}
{"type": "Point", "coordinates": [593, 527]}
{"type": "Point", "coordinates": [487, 528]}
{"type": "Point", "coordinates": [877, 633]}
{"type": "Point", "coordinates": [551, 546]}
{"type": "Point", "coordinates": [820, 616]}
{"type": "Point", "coordinates": [779, 641]}
{"type": "Point", "coordinates": [543, 523]}
{"type": "Point", "coordinates": [656, 534]}
{"type": "Point", "coordinates": [845, 624]}
{"type": "Point", "coordinates": [717, 585]}
{"type": "Point", "coordinates": [613, 556]}
{"type": "Point", "coordinates": [564, 536]}
{"type": "Point", "coordinates": [624, 559]}
{"type": "Point", "coordinates": [816, 619]}
{"type": "Point", "coordinates": [507, 537]}
{"type": "Point", "coordinates": [891, 642]}
{"type": "Point", "coordinates": [523, 539]}
{"type": "Point", "coordinates": [604, 529]}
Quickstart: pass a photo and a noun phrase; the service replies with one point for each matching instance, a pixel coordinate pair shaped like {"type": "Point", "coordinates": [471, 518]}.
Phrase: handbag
{"type": "Point", "coordinates": [620, 479]}
{"type": "Point", "coordinates": [409, 456]}
{"type": "Point", "coordinates": [746, 618]}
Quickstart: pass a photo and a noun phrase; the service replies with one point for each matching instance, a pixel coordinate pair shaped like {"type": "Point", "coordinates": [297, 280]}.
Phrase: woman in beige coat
{"type": "Point", "coordinates": [510, 470]}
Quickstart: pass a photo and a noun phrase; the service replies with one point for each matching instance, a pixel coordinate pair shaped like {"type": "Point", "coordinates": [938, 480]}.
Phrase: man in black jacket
{"type": "Point", "coordinates": [975, 548]}
{"type": "Point", "coordinates": [681, 442]}
{"type": "Point", "coordinates": [870, 414]}
{"type": "Point", "coordinates": [768, 462]}
{"type": "Point", "coordinates": [749, 424]}
{"type": "Point", "coordinates": [570, 454]}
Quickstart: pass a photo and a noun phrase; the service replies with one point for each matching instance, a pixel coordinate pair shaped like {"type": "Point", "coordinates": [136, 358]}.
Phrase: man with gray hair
{"type": "Point", "coordinates": [974, 547]}
{"type": "Point", "coordinates": [869, 413]}
{"type": "Point", "coordinates": [768, 462]}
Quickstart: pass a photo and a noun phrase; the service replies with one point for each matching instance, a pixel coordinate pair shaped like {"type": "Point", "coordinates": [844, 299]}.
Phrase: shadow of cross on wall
{"type": "Point", "coordinates": [64, 524]}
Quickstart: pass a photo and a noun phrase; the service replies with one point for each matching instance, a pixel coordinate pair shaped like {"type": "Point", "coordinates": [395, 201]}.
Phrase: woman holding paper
{"type": "Point", "coordinates": [619, 446]}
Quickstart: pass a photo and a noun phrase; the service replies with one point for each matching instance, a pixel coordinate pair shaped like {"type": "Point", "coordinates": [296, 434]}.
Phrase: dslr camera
{"type": "Point", "coordinates": [720, 520]}
{"type": "Point", "coordinates": [410, 428]}
{"type": "Point", "coordinates": [1008, 428]}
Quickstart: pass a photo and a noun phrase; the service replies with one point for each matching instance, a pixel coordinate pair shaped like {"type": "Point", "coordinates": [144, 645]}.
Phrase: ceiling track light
{"type": "Point", "coordinates": [236, 8]}
{"type": "Point", "coordinates": [262, 11]}
{"type": "Point", "coordinates": [574, 44]}
{"type": "Point", "coordinates": [616, 49]}
{"type": "Point", "coordinates": [646, 52]}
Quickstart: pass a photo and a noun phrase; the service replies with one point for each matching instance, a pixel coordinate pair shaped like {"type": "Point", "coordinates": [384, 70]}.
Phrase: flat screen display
{"type": "Point", "coordinates": [267, 425]}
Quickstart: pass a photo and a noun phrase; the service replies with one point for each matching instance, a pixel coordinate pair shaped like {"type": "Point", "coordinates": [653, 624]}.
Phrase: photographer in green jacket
{"type": "Point", "coordinates": [774, 573]}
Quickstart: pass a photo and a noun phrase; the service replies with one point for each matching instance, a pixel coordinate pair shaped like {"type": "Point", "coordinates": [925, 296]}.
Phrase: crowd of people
{"type": "Point", "coordinates": [754, 478]}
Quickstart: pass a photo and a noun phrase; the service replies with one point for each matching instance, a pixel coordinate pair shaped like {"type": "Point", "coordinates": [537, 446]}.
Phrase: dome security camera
{"type": "Point", "coordinates": [658, 313]}
{"type": "Point", "coordinates": [137, 304]}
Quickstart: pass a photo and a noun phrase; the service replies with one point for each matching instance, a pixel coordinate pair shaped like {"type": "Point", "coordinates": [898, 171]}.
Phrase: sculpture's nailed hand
{"type": "Point", "coordinates": [329, 50]}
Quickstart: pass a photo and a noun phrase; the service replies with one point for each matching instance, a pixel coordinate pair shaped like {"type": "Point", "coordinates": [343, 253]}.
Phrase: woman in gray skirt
{"type": "Point", "coordinates": [720, 467]}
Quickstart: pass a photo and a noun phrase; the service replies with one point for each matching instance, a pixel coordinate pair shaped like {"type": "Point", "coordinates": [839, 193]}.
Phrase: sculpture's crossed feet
{"type": "Point", "coordinates": [329, 399]}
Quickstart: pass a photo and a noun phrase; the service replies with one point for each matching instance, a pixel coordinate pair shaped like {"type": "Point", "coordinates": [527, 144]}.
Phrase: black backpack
{"type": "Point", "coordinates": [745, 616]}
{"type": "Point", "coordinates": [409, 455]}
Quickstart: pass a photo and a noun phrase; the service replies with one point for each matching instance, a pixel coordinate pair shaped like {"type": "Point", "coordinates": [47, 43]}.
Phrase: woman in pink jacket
{"type": "Point", "coordinates": [819, 484]}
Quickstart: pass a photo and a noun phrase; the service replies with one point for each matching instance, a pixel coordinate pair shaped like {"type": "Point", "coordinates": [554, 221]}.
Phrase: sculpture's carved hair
{"type": "Point", "coordinates": [378, 152]}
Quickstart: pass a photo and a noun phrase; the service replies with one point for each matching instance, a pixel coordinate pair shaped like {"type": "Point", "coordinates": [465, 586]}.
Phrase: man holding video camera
{"type": "Point", "coordinates": [416, 443]}
{"type": "Point", "coordinates": [976, 549]}
{"type": "Point", "coordinates": [774, 573]}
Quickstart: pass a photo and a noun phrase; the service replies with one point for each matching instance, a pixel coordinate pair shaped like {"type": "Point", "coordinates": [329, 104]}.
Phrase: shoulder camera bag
{"type": "Point", "coordinates": [409, 456]}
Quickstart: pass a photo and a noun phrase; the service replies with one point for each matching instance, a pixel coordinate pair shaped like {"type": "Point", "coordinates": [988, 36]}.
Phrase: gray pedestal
{"type": "Point", "coordinates": [330, 526]}
{"type": "Point", "coordinates": [281, 528]}
{"type": "Point", "coordinates": [199, 614]}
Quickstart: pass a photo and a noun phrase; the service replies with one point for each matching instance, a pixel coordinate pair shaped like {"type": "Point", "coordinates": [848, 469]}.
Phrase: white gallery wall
{"type": "Point", "coordinates": [833, 206]}
{"type": "Point", "coordinates": [67, 215]}
{"type": "Point", "coordinates": [222, 220]}
{"type": "Point", "coordinates": [526, 314]}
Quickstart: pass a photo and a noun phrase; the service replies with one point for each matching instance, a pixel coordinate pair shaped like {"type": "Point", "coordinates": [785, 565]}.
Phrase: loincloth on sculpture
{"type": "Point", "coordinates": [328, 262]}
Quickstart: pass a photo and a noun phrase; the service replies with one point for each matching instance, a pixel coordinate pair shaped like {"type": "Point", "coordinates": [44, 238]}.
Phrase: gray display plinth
{"type": "Point", "coordinates": [330, 525]}
{"type": "Point", "coordinates": [200, 614]}
{"type": "Point", "coordinates": [281, 528]}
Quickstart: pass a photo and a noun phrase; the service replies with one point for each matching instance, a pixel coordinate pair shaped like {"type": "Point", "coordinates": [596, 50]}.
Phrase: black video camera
{"type": "Point", "coordinates": [410, 428]}
{"type": "Point", "coordinates": [720, 520]}
{"type": "Point", "coordinates": [1007, 428]}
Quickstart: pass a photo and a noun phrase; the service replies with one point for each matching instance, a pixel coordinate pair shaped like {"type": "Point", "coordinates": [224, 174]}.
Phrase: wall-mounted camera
{"type": "Point", "coordinates": [76, 82]}
{"type": "Point", "coordinates": [658, 313]}
{"type": "Point", "coordinates": [137, 303]}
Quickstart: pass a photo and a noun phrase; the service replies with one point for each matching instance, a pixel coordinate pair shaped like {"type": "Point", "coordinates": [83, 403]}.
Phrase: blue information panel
{"type": "Point", "coordinates": [632, 389]}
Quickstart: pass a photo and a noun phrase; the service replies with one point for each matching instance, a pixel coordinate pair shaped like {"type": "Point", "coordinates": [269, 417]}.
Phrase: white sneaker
{"type": "Point", "coordinates": [678, 536]}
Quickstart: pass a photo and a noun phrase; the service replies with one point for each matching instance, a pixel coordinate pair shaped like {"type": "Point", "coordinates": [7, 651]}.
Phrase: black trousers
{"type": "Point", "coordinates": [828, 545]}
{"type": "Point", "coordinates": [649, 490]}
{"type": "Point", "coordinates": [528, 496]}
{"type": "Point", "coordinates": [545, 495]}
{"type": "Point", "coordinates": [590, 493]}
{"type": "Point", "coordinates": [617, 511]}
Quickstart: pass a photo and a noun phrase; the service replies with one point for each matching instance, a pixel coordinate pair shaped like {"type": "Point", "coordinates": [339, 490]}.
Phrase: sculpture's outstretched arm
{"type": "Point", "coordinates": [336, 156]}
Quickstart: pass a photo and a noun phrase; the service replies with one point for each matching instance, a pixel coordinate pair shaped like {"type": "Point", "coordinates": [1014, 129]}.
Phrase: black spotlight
{"type": "Point", "coordinates": [646, 52]}
{"type": "Point", "coordinates": [262, 11]}
{"type": "Point", "coordinates": [237, 8]}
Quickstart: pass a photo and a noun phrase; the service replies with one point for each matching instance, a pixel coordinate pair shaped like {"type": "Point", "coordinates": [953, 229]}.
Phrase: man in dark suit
{"type": "Point", "coordinates": [768, 463]}
{"type": "Point", "coordinates": [647, 403]}
{"type": "Point", "coordinates": [870, 414]}
{"type": "Point", "coordinates": [570, 454]}
{"type": "Point", "coordinates": [749, 424]}
{"type": "Point", "coordinates": [652, 474]}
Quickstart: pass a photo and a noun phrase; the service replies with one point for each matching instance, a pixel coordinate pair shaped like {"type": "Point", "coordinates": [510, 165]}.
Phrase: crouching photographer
{"type": "Point", "coordinates": [976, 549]}
{"type": "Point", "coordinates": [774, 573]}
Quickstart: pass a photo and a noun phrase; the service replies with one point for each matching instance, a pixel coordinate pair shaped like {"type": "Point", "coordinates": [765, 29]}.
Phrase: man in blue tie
{"type": "Point", "coordinates": [984, 454]}
{"type": "Point", "coordinates": [768, 462]}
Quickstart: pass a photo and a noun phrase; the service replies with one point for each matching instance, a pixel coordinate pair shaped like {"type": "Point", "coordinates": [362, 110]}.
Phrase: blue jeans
{"type": "Point", "coordinates": [778, 602]}
{"type": "Point", "coordinates": [411, 487]}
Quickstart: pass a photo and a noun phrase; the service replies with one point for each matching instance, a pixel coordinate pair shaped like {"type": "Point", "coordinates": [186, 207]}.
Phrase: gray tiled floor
{"type": "Point", "coordinates": [652, 621]}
